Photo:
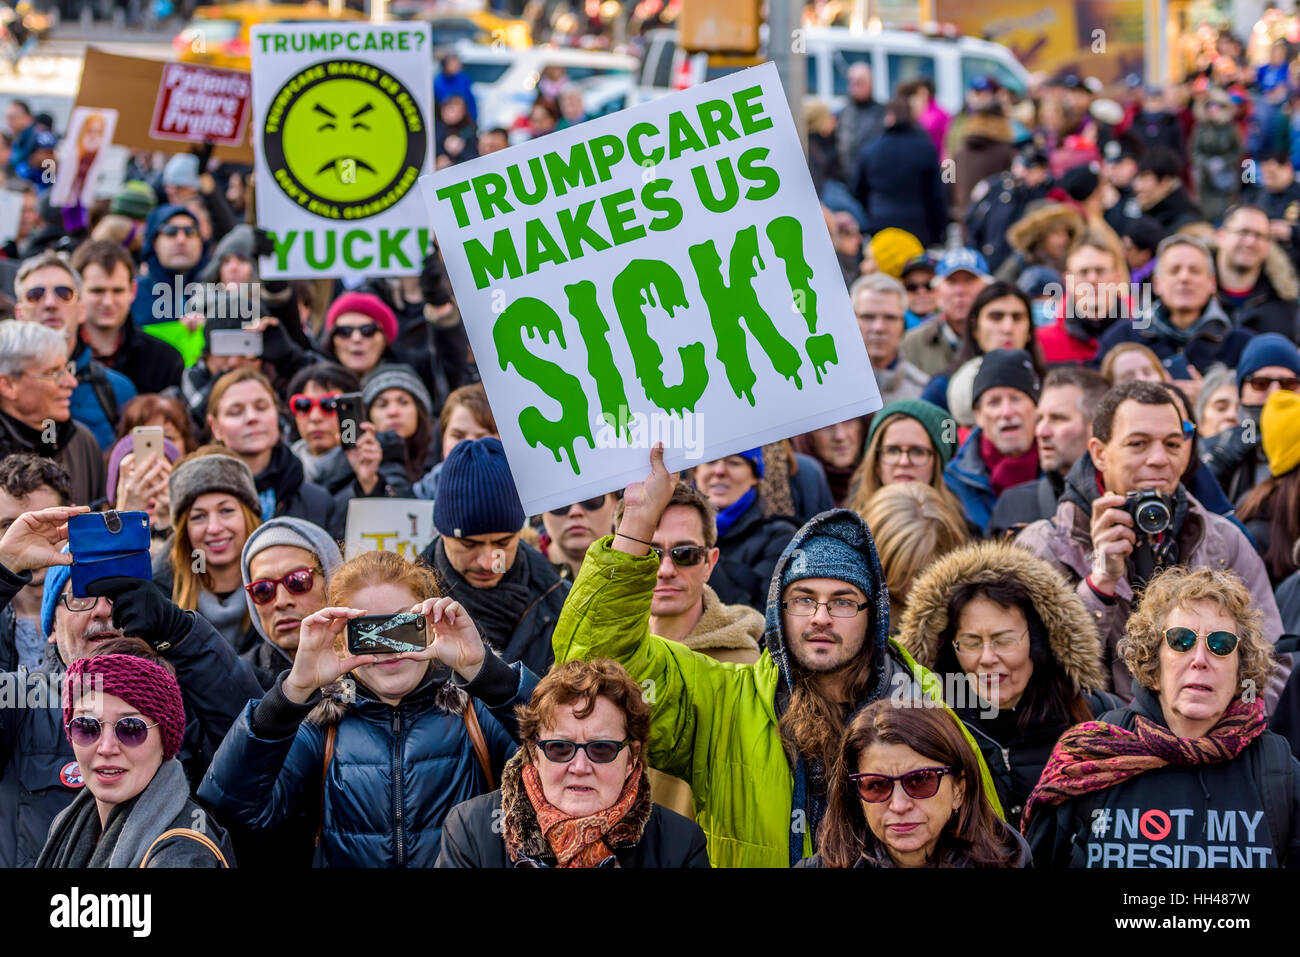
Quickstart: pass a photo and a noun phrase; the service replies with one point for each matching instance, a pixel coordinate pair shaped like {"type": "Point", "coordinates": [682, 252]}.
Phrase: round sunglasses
{"type": "Point", "coordinates": [130, 732]}
{"type": "Point", "coordinates": [303, 404]}
{"type": "Point", "coordinates": [1220, 643]}
{"type": "Point", "coordinates": [296, 582]}
{"type": "Point", "coordinates": [919, 784]}
{"type": "Point", "coordinates": [598, 752]}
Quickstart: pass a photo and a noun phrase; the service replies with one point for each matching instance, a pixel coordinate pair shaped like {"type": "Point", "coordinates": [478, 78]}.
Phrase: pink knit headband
{"type": "Point", "coordinates": [145, 686]}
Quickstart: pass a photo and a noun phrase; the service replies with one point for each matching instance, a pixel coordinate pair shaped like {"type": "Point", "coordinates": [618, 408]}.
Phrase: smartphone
{"type": "Point", "coordinates": [386, 634]}
{"type": "Point", "coordinates": [351, 414]}
{"type": "Point", "coordinates": [148, 440]}
{"type": "Point", "coordinates": [234, 342]}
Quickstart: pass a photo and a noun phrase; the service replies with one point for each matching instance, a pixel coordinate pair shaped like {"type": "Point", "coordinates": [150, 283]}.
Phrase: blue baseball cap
{"type": "Point", "coordinates": [963, 259]}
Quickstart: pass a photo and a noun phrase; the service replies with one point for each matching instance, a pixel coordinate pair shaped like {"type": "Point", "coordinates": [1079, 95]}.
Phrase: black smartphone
{"type": "Point", "coordinates": [386, 634]}
{"type": "Point", "coordinates": [351, 414]}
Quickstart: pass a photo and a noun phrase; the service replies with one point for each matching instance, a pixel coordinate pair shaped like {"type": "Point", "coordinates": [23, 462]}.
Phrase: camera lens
{"type": "Point", "coordinates": [1153, 518]}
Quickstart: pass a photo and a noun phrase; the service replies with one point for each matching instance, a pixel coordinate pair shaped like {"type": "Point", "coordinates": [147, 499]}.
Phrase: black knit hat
{"type": "Point", "coordinates": [1007, 367]}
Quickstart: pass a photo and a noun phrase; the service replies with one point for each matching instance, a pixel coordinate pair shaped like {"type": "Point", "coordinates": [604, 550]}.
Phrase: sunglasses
{"type": "Point", "coordinates": [919, 784]}
{"type": "Point", "coordinates": [186, 231]}
{"type": "Point", "coordinates": [368, 331]}
{"type": "Point", "coordinates": [296, 582]}
{"type": "Point", "coordinates": [130, 732]}
{"type": "Point", "coordinates": [590, 505]}
{"type": "Point", "coordinates": [916, 286]}
{"type": "Point", "coordinates": [598, 752]}
{"type": "Point", "coordinates": [1261, 382]}
{"type": "Point", "coordinates": [683, 556]}
{"type": "Point", "coordinates": [1220, 643]}
{"type": "Point", "coordinates": [37, 293]}
{"type": "Point", "coordinates": [303, 404]}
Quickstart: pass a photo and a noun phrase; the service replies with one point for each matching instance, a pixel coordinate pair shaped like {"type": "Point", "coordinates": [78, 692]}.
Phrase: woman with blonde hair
{"type": "Point", "coordinates": [1132, 360]}
{"type": "Point", "coordinates": [909, 440]}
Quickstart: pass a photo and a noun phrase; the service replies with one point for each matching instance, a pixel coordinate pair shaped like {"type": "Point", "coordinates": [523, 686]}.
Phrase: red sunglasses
{"type": "Point", "coordinates": [303, 404]}
{"type": "Point", "coordinates": [296, 582]}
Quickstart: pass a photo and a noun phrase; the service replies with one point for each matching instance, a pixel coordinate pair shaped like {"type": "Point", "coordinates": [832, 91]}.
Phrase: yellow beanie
{"type": "Point", "coordinates": [892, 247]}
{"type": "Point", "coordinates": [1279, 426]}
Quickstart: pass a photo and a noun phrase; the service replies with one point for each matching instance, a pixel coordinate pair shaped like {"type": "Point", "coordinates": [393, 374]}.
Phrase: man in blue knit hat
{"type": "Point", "coordinates": [508, 587]}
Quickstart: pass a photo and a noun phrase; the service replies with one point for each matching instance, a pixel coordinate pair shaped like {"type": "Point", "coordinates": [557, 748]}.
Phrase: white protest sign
{"type": "Point", "coordinates": [90, 132]}
{"type": "Point", "coordinates": [402, 525]}
{"type": "Point", "coordinates": [11, 214]}
{"type": "Point", "coordinates": [661, 273]}
{"type": "Point", "coordinates": [343, 114]}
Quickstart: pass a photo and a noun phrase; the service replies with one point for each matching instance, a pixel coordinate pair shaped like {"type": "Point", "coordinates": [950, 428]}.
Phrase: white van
{"type": "Point", "coordinates": [895, 56]}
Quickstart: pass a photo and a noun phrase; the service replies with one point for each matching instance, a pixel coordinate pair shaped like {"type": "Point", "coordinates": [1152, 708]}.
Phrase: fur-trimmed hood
{"type": "Point", "coordinates": [1072, 633]}
{"type": "Point", "coordinates": [1028, 231]}
{"type": "Point", "coordinates": [985, 128]}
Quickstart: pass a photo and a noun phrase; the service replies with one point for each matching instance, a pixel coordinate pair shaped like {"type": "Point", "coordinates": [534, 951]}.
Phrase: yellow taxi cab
{"type": "Point", "coordinates": [477, 26]}
{"type": "Point", "coordinates": [218, 35]}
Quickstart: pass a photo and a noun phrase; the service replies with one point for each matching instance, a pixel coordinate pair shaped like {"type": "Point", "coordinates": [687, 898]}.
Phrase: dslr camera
{"type": "Point", "coordinates": [1152, 511]}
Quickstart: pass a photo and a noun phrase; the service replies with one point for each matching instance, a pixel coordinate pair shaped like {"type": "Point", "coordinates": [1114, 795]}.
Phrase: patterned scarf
{"type": "Point", "coordinates": [579, 841]}
{"type": "Point", "coordinates": [1094, 756]}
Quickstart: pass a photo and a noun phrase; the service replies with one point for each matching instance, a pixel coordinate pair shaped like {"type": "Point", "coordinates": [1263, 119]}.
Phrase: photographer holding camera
{"type": "Point", "coordinates": [1125, 515]}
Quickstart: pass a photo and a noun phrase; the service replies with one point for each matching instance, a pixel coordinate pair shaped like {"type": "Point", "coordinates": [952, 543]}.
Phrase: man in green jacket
{"type": "Point", "coordinates": [755, 742]}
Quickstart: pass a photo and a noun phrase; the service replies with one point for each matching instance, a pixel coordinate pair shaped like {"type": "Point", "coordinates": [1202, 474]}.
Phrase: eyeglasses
{"type": "Point", "coordinates": [971, 645]}
{"type": "Point", "coordinates": [1261, 382]}
{"type": "Point", "coordinates": [683, 556]}
{"type": "Point", "coordinates": [916, 286]}
{"type": "Point", "coordinates": [598, 752]}
{"type": "Point", "coordinates": [894, 454]}
{"type": "Point", "coordinates": [1249, 234]}
{"type": "Point", "coordinates": [77, 604]}
{"type": "Point", "coordinates": [368, 331]}
{"type": "Point", "coordinates": [806, 607]}
{"type": "Point", "coordinates": [130, 732]}
{"type": "Point", "coordinates": [69, 368]}
{"type": "Point", "coordinates": [919, 784]}
{"type": "Point", "coordinates": [587, 505]}
{"type": "Point", "coordinates": [37, 293]}
{"type": "Point", "coordinates": [296, 582]}
{"type": "Point", "coordinates": [1220, 643]}
{"type": "Point", "coordinates": [186, 231]}
{"type": "Point", "coordinates": [303, 404]}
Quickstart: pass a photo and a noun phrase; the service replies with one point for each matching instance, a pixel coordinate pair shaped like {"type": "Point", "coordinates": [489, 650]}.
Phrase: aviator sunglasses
{"type": "Point", "coordinates": [1182, 639]}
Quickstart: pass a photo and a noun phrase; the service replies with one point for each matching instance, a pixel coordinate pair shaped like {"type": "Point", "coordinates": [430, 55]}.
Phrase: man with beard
{"type": "Point", "coordinates": [40, 774]}
{"type": "Point", "coordinates": [755, 742]}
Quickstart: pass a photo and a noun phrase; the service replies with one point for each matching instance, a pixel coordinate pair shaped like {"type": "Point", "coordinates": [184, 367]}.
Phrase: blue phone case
{"type": "Point", "coordinates": [107, 544]}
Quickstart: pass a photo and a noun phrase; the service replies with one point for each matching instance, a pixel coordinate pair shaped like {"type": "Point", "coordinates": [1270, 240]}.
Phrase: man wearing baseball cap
{"type": "Point", "coordinates": [932, 346]}
{"type": "Point", "coordinates": [1000, 453]}
{"type": "Point", "coordinates": [1119, 166]}
{"type": "Point", "coordinates": [918, 279]}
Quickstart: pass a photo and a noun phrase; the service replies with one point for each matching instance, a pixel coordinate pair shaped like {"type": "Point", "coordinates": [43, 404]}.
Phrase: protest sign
{"type": "Point", "coordinates": [402, 525]}
{"type": "Point", "coordinates": [661, 273]}
{"type": "Point", "coordinates": [343, 116]}
{"type": "Point", "coordinates": [197, 104]}
{"type": "Point", "coordinates": [11, 214]}
{"type": "Point", "coordinates": [90, 132]}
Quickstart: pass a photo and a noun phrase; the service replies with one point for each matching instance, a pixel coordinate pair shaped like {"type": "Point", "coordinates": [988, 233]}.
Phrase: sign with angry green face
{"type": "Point", "coordinates": [342, 141]}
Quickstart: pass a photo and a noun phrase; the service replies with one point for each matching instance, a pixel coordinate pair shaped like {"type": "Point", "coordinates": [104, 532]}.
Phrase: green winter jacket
{"type": "Point", "coordinates": [714, 724]}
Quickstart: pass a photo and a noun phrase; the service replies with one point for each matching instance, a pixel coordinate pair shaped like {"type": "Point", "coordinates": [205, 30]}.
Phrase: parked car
{"type": "Point", "coordinates": [219, 35]}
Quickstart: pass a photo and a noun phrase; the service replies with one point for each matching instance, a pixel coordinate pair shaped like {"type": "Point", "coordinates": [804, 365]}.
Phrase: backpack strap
{"type": "Point", "coordinates": [1272, 777]}
{"type": "Point", "coordinates": [97, 376]}
{"type": "Point", "coordinates": [192, 835]}
{"type": "Point", "coordinates": [331, 733]}
{"type": "Point", "coordinates": [475, 732]}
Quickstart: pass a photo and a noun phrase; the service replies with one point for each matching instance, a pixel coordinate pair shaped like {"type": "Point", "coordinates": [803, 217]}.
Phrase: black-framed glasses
{"type": "Point", "coordinates": [367, 331]}
{"type": "Point", "coordinates": [805, 607]}
{"type": "Point", "coordinates": [919, 785]}
{"type": "Point", "coordinates": [37, 293]}
{"type": "Point", "coordinates": [1220, 643]}
{"type": "Point", "coordinates": [296, 582]}
{"type": "Point", "coordinates": [130, 732]}
{"type": "Point", "coordinates": [303, 404]}
{"type": "Point", "coordinates": [1289, 383]}
{"type": "Point", "coordinates": [598, 752]}
{"type": "Point", "coordinates": [77, 604]}
{"type": "Point", "coordinates": [683, 556]}
{"type": "Point", "coordinates": [587, 505]}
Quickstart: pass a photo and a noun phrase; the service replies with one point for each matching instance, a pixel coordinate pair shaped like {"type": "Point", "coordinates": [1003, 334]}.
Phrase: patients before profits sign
{"type": "Point", "coordinates": [663, 273]}
{"type": "Point", "coordinates": [342, 121]}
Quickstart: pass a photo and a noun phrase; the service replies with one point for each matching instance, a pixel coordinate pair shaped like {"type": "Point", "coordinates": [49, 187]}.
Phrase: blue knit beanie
{"type": "Point", "coordinates": [476, 492]}
{"type": "Point", "coordinates": [56, 579]}
{"type": "Point", "coordinates": [755, 458]}
{"type": "Point", "coordinates": [827, 555]}
{"type": "Point", "coordinates": [1268, 349]}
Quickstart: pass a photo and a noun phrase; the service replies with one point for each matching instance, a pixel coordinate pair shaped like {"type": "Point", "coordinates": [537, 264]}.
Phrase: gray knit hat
{"type": "Point", "coordinates": [395, 376]}
{"type": "Point", "coordinates": [288, 531]}
{"type": "Point", "coordinates": [197, 475]}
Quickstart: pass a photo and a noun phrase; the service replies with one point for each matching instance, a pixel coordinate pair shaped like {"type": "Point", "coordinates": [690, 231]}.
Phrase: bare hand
{"type": "Point", "coordinates": [35, 539]}
{"type": "Point", "coordinates": [193, 321]}
{"type": "Point", "coordinates": [1280, 229]}
{"type": "Point", "coordinates": [457, 642]}
{"type": "Point", "coordinates": [366, 458]}
{"type": "Point", "coordinates": [317, 661]}
{"type": "Point", "coordinates": [1113, 540]}
{"type": "Point", "coordinates": [644, 503]}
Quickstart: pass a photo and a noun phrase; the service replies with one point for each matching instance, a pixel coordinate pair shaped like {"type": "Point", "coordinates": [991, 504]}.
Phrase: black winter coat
{"type": "Point", "coordinates": [749, 552]}
{"type": "Point", "coordinates": [1194, 815]}
{"type": "Point", "coordinates": [1265, 311]}
{"type": "Point", "coordinates": [898, 184]}
{"type": "Point", "coordinates": [151, 364]}
{"type": "Point", "coordinates": [38, 771]}
{"type": "Point", "coordinates": [1025, 504]}
{"type": "Point", "coordinates": [294, 496]}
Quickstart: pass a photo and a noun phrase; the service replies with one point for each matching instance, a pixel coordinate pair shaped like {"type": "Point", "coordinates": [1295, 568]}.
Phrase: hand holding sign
{"type": "Point", "coordinates": [644, 504]}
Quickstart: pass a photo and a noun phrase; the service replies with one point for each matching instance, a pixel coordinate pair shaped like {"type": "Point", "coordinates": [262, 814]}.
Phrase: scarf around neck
{"type": "Point", "coordinates": [1094, 756]}
{"type": "Point", "coordinates": [1006, 471]}
{"type": "Point", "coordinates": [496, 610]}
{"type": "Point", "coordinates": [728, 516]}
{"type": "Point", "coordinates": [579, 841]}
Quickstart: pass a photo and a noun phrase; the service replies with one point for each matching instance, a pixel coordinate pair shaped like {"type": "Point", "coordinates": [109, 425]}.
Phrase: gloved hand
{"type": "Point", "coordinates": [433, 279]}
{"type": "Point", "coordinates": [263, 244]}
{"type": "Point", "coordinates": [142, 610]}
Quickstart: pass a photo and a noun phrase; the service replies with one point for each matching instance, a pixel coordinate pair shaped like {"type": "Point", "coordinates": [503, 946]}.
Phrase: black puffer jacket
{"type": "Point", "coordinates": [1015, 757]}
{"type": "Point", "coordinates": [1235, 457]}
{"type": "Point", "coordinates": [749, 552]}
{"type": "Point", "coordinates": [1010, 837]}
{"type": "Point", "coordinates": [1195, 815]}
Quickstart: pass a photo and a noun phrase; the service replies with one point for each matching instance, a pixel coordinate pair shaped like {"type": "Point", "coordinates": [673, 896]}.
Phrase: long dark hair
{"type": "Point", "coordinates": [970, 347]}
{"type": "Point", "coordinates": [1049, 699]}
{"type": "Point", "coordinates": [1277, 499]}
{"type": "Point", "coordinates": [418, 445]}
{"type": "Point", "coordinates": [974, 837]}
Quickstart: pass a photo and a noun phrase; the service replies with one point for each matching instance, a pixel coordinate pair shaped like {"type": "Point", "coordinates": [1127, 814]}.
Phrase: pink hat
{"type": "Point", "coordinates": [149, 688]}
{"type": "Point", "coordinates": [369, 306]}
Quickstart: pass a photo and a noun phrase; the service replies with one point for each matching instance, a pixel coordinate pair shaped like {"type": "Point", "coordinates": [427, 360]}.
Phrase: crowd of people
{"type": "Point", "coordinates": [1040, 596]}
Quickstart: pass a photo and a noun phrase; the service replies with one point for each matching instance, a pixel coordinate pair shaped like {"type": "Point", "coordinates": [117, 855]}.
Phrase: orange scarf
{"type": "Point", "coordinates": [578, 841]}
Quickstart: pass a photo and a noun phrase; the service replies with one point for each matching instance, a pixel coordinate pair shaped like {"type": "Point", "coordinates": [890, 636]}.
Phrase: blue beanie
{"type": "Point", "coordinates": [755, 458]}
{"type": "Point", "coordinates": [1268, 349]}
{"type": "Point", "coordinates": [476, 492]}
{"type": "Point", "coordinates": [829, 554]}
{"type": "Point", "coordinates": [56, 579]}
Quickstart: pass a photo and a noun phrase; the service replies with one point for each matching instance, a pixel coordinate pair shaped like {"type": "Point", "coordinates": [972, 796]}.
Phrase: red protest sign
{"type": "Point", "coordinates": [201, 103]}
